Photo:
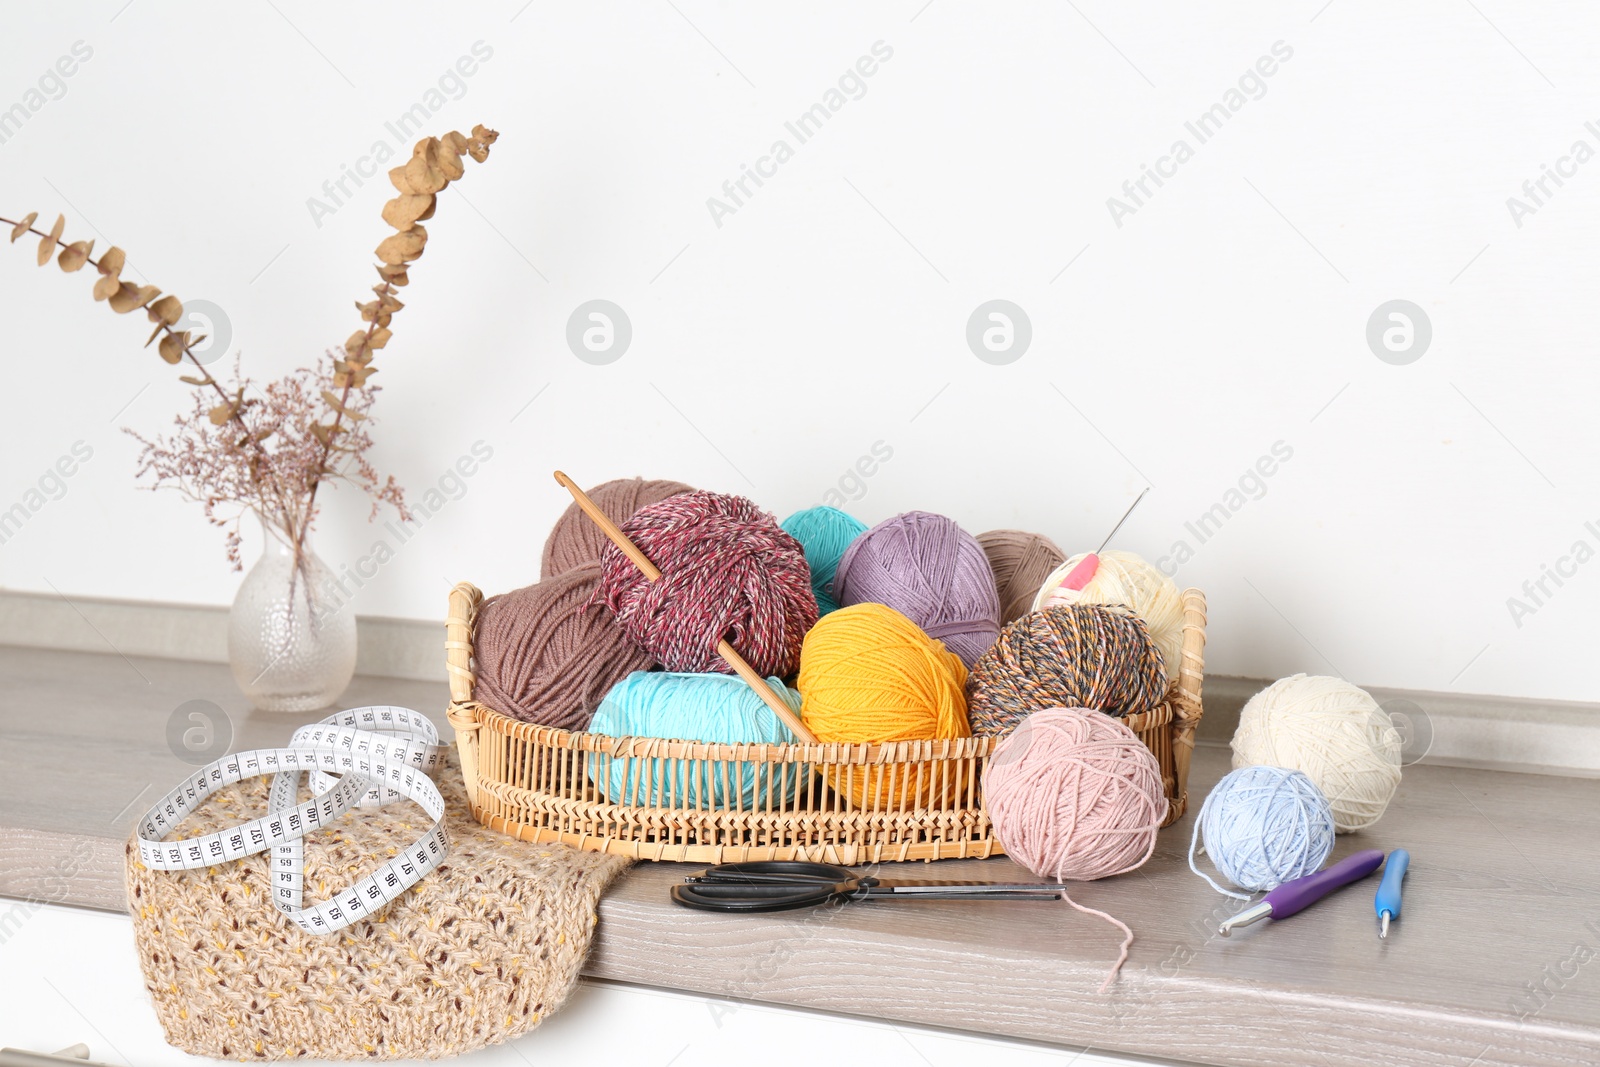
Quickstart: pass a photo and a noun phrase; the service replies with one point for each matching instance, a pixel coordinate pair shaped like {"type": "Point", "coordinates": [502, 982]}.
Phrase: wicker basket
{"type": "Point", "coordinates": [533, 782]}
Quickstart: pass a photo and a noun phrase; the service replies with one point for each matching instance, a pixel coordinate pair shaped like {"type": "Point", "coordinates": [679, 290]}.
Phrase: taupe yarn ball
{"type": "Point", "coordinates": [545, 656]}
{"type": "Point", "coordinates": [576, 540]}
{"type": "Point", "coordinates": [1021, 561]}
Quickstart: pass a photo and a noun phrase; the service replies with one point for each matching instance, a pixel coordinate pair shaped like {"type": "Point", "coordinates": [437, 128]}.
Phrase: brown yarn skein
{"type": "Point", "coordinates": [576, 540]}
{"type": "Point", "coordinates": [1076, 656]}
{"type": "Point", "coordinates": [1021, 561]}
{"type": "Point", "coordinates": [544, 658]}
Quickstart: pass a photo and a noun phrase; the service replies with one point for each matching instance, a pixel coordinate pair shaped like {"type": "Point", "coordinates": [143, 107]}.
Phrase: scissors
{"type": "Point", "coordinates": [778, 885]}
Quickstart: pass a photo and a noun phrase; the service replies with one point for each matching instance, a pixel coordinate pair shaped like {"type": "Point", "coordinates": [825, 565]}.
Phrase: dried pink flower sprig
{"type": "Point", "coordinates": [230, 473]}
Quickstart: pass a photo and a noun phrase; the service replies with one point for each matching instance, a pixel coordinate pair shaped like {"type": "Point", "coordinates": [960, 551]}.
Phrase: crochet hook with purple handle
{"type": "Point", "coordinates": [1301, 893]}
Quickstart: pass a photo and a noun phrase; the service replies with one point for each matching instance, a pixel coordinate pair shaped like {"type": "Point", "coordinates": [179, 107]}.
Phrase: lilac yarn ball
{"type": "Point", "coordinates": [931, 571]}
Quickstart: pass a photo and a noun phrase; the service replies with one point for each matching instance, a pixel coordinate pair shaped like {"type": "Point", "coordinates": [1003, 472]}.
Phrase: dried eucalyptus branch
{"type": "Point", "coordinates": [435, 163]}
{"type": "Point", "coordinates": [280, 482]}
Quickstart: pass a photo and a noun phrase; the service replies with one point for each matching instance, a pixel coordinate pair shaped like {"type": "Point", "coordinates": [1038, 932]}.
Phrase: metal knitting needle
{"type": "Point", "coordinates": [1122, 520]}
{"type": "Point", "coordinates": [1082, 574]}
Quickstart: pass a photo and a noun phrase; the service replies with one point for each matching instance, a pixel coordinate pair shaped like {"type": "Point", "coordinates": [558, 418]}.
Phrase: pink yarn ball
{"type": "Point", "coordinates": [1074, 794]}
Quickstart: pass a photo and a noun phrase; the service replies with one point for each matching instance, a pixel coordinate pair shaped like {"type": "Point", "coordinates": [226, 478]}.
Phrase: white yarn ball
{"type": "Point", "coordinates": [1332, 731]}
{"type": "Point", "coordinates": [1125, 578]}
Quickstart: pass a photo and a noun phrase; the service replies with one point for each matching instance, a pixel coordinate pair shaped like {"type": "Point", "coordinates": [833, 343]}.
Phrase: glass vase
{"type": "Point", "coordinates": [291, 636]}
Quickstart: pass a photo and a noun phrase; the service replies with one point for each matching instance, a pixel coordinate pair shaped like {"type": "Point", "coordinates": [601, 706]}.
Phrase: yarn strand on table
{"type": "Point", "coordinates": [1074, 794]}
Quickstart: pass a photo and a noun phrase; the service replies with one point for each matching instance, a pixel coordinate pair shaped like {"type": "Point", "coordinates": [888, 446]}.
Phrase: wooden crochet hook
{"type": "Point", "coordinates": [729, 654]}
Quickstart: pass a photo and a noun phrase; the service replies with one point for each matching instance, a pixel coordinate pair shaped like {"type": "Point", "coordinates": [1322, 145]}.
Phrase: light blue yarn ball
{"type": "Point", "coordinates": [1263, 826]}
{"type": "Point", "coordinates": [718, 708]}
{"type": "Point", "coordinates": [824, 532]}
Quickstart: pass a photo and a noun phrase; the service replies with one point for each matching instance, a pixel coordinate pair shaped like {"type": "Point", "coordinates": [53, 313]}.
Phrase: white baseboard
{"type": "Point", "coordinates": [394, 648]}
{"type": "Point", "coordinates": [1463, 729]}
{"type": "Point", "coordinates": [1502, 733]}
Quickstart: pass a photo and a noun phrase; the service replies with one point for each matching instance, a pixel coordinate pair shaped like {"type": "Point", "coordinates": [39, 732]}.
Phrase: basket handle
{"type": "Point", "coordinates": [1186, 705]}
{"type": "Point", "coordinates": [465, 599]}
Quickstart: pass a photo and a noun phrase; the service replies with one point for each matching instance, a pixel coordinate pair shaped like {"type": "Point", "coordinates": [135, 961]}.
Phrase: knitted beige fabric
{"type": "Point", "coordinates": [478, 952]}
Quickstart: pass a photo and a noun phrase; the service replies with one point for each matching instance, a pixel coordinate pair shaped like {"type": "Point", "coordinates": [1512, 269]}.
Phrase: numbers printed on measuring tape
{"type": "Point", "coordinates": [398, 749]}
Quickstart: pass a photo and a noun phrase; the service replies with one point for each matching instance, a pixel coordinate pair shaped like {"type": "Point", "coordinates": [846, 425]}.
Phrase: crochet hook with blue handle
{"type": "Point", "coordinates": [1387, 902]}
{"type": "Point", "coordinates": [1301, 893]}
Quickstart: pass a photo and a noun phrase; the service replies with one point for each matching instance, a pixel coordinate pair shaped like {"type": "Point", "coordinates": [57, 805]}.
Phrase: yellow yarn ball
{"type": "Point", "coordinates": [1125, 578]}
{"type": "Point", "coordinates": [869, 674]}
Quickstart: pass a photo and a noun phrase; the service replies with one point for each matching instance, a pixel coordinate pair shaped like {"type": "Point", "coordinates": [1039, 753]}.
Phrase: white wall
{"type": "Point", "coordinates": [828, 313]}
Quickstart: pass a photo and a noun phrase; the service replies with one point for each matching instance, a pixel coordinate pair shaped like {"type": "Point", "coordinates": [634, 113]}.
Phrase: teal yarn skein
{"type": "Point", "coordinates": [713, 708]}
{"type": "Point", "coordinates": [824, 532]}
{"type": "Point", "coordinates": [1263, 826]}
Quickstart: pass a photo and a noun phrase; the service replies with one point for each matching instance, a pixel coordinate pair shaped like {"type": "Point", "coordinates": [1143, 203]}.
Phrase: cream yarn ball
{"type": "Point", "coordinates": [1125, 578]}
{"type": "Point", "coordinates": [1332, 731]}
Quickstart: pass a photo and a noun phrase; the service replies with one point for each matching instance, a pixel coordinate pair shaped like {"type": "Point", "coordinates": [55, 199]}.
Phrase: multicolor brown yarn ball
{"type": "Point", "coordinates": [1080, 656]}
{"type": "Point", "coordinates": [728, 570]}
{"type": "Point", "coordinates": [576, 540]}
{"type": "Point", "coordinates": [1021, 561]}
{"type": "Point", "coordinates": [547, 656]}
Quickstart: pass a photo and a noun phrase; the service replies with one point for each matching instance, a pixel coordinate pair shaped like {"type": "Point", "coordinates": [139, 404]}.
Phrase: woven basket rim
{"type": "Point", "coordinates": [826, 752]}
{"type": "Point", "coordinates": [595, 823]}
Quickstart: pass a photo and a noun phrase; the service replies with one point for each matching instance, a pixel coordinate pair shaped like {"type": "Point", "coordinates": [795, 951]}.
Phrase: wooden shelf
{"type": "Point", "coordinates": [1503, 897]}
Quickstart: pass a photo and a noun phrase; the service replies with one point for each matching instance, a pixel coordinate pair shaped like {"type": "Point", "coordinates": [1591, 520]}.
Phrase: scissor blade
{"type": "Point", "coordinates": [987, 893]}
{"type": "Point", "coordinates": [900, 888]}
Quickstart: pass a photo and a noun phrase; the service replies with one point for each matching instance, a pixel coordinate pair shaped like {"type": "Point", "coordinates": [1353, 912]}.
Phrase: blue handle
{"type": "Point", "coordinates": [1394, 872]}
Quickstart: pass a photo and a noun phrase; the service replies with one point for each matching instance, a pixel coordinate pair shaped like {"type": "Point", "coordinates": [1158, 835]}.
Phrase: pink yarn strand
{"type": "Point", "coordinates": [1075, 795]}
{"type": "Point", "coordinates": [1127, 939]}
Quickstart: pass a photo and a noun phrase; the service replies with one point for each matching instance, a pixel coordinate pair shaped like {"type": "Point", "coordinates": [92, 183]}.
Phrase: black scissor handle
{"type": "Point", "coordinates": [754, 897]}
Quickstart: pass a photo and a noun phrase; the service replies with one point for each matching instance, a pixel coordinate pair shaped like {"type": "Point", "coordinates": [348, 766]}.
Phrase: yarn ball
{"type": "Point", "coordinates": [1335, 733]}
{"type": "Point", "coordinates": [1081, 656]}
{"type": "Point", "coordinates": [544, 656]}
{"type": "Point", "coordinates": [728, 571]}
{"type": "Point", "coordinates": [868, 674]}
{"type": "Point", "coordinates": [1021, 561]}
{"type": "Point", "coordinates": [576, 540]}
{"type": "Point", "coordinates": [1126, 579]}
{"type": "Point", "coordinates": [932, 571]}
{"type": "Point", "coordinates": [716, 708]}
{"type": "Point", "coordinates": [824, 532]}
{"type": "Point", "coordinates": [1263, 826]}
{"type": "Point", "coordinates": [1073, 794]}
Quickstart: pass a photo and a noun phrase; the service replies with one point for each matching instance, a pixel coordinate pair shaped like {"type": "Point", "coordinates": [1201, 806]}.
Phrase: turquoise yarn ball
{"type": "Point", "coordinates": [715, 708]}
{"type": "Point", "coordinates": [824, 533]}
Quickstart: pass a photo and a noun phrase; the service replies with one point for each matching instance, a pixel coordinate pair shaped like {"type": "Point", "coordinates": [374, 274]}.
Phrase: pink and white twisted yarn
{"type": "Point", "coordinates": [728, 570]}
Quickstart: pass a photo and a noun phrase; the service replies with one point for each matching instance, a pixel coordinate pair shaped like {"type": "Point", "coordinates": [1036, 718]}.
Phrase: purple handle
{"type": "Point", "coordinates": [1301, 893]}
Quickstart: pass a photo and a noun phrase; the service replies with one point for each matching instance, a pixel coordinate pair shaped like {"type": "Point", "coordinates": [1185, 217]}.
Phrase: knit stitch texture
{"type": "Point", "coordinates": [479, 952]}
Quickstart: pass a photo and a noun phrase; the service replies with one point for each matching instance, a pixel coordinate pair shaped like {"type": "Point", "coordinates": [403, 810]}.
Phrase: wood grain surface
{"type": "Point", "coordinates": [1496, 959]}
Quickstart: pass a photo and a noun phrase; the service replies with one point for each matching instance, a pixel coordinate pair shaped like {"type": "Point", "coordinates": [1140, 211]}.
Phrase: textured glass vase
{"type": "Point", "coordinates": [291, 638]}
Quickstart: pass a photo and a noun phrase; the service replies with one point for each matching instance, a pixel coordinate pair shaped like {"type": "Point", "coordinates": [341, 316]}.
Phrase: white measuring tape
{"type": "Point", "coordinates": [364, 757]}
